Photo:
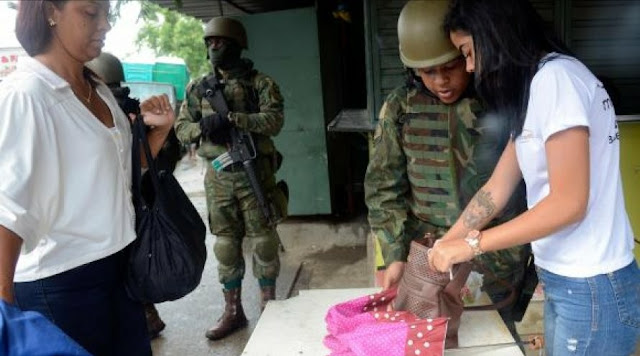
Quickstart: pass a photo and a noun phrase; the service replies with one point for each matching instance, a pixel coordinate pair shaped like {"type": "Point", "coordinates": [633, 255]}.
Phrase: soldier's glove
{"type": "Point", "coordinates": [213, 124]}
{"type": "Point", "coordinates": [240, 119]}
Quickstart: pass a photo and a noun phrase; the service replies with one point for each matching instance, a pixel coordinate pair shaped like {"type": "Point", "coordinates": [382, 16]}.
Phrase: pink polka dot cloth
{"type": "Point", "coordinates": [366, 326]}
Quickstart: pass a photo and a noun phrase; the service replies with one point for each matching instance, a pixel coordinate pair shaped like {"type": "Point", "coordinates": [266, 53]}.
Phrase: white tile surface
{"type": "Point", "coordinates": [296, 327]}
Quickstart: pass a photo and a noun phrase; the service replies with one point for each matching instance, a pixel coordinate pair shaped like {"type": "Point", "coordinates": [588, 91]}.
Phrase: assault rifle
{"type": "Point", "coordinates": [242, 150]}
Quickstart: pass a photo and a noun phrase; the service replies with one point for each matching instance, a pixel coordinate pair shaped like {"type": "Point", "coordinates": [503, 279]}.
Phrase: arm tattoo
{"type": "Point", "coordinates": [479, 211]}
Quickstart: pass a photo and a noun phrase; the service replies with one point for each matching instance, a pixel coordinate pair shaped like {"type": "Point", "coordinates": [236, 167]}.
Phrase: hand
{"type": "Point", "coordinates": [240, 119]}
{"type": "Point", "coordinates": [446, 253]}
{"type": "Point", "coordinates": [392, 275]}
{"type": "Point", "coordinates": [157, 112]}
{"type": "Point", "coordinates": [212, 123]}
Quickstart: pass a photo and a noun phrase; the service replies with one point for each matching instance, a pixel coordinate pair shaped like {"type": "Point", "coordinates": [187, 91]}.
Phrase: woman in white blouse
{"type": "Point", "coordinates": [65, 161]}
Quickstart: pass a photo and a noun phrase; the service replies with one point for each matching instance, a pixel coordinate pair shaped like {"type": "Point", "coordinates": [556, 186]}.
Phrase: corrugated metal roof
{"type": "Point", "coordinates": [206, 9]}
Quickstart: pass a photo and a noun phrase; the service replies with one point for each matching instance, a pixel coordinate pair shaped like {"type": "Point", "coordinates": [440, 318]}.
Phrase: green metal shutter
{"type": "Point", "coordinates": [548, 10]}
{"type": "Point", "coordinates": [385, 70]}
{"type": "Point", "coordinates": [605, 35]}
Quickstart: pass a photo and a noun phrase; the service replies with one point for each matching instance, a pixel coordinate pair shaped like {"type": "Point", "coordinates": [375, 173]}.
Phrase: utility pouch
{"type": "Point", "coordinates": [279, 201]}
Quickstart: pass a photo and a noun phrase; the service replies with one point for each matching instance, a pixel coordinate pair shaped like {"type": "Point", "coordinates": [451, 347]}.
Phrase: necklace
{"type": "Point", "coordinates": [88, 97]}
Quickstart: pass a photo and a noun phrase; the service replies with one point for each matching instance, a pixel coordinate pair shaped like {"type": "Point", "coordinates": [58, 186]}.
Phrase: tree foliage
{"type": "Point", "coordinates": [170, 33]}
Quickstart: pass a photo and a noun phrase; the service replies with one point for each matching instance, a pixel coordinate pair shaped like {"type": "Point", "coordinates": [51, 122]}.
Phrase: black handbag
{"type": "Point", "coordinates": [166, 260]}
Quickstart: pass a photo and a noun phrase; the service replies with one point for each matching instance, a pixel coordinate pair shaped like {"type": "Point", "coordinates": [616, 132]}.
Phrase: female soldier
{"type": "Point", "coordinates": [433, 148]}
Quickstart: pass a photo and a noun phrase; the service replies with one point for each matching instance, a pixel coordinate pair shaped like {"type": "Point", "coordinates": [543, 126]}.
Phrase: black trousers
{"type": "Point", "coordinates": [90, 304]}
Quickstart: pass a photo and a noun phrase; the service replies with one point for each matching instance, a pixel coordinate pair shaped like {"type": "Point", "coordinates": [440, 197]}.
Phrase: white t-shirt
{"type": "Point", "coordinates": [565, 94]}
{"type": "Point", "coordinates": [65, 178]}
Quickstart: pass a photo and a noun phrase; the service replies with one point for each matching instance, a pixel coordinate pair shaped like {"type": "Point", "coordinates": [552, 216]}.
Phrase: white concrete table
{"type": "Point", "coordinates": [296, 327]}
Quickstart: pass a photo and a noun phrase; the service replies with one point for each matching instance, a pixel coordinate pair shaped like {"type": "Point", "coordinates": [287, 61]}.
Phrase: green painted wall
{"type": "Point", "coordinates": [284, 45]}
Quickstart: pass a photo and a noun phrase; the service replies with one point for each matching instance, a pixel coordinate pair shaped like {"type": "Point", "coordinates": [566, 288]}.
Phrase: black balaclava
{"type": "Point", "coordinates": [225, 57]}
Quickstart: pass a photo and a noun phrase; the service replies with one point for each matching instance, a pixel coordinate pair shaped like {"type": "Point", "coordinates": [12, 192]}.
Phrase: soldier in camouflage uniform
{"type": "Point", "coordinates": [256, 106]}
{"type": "Point", "coordinates": [433, 148]}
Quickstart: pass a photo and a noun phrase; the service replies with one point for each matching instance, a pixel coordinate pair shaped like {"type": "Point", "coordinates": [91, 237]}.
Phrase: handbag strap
{"type": "Point", "coordinates": [140, 139]}
{"type": "Point", "coordinates": [460, 275]}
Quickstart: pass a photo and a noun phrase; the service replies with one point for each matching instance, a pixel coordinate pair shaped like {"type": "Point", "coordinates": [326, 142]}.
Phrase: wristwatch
{"type": "Point", "coordinates": [473, 240]}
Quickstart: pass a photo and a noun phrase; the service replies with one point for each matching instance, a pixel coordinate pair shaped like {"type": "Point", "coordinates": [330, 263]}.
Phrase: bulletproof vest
{"type": "Point", "coordinates": [437, 140]}
{"type": "Point", "coordinates": [241, 96]}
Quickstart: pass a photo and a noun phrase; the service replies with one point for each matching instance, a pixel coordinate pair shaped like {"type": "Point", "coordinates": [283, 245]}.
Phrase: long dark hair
{"type": "Point", "coordinates": [32, 24]}
{"type": "Point", "coordinates": [509, 41]}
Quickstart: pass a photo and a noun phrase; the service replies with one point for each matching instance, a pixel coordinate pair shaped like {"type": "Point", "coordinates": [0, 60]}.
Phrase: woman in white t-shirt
{"type": "Point", "coordinates": [66, 214]}
{"type": "Point", "coordinates": [565, 144]}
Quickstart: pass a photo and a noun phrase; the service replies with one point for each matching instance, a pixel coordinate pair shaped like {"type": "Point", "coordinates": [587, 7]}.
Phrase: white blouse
{"type": "Point", "coordinates": [65, 178]}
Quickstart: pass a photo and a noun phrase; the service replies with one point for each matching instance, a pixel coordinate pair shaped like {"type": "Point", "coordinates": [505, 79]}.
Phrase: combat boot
{"type": "Point", "coordinates": [233, 317]}
{"type": "Point", "coordinates": [154, 324]}
{"type": "Point", "coordinates": [267, 293]}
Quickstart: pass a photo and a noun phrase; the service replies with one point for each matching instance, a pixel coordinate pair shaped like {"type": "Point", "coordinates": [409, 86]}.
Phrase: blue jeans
{"type": "Point", "coordinates": [90, 304]}
{"type": "Point", "coordinates": [596, 316]}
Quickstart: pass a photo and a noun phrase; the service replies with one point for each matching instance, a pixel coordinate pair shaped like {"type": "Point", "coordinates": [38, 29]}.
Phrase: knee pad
{"type": "Point", "coordinates": [227, 250]}
{"type": "Point", "coordinates": [266, 248]}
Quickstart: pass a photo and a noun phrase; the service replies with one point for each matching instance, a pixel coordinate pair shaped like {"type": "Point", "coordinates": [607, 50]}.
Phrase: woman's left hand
{"type": "Point", "coordinates": [446, 253]}
{"type": "Point", "coordinates": [157, 111]}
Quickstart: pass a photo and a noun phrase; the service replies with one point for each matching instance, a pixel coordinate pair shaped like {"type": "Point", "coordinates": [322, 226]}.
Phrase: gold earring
{"type": "Point", "coordinates": [51, 22]}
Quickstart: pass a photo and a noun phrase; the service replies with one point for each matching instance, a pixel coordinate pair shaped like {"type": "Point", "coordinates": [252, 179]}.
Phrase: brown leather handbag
{"type": "Point", "coordinates": [428, 293]}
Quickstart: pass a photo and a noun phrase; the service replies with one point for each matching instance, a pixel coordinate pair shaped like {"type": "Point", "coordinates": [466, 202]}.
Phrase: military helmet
{"type": "Point", "coordinates": [421, 37]}
{"type": "Point", "coordinates": [226, 27]}
{"type": "Point", "coordinates": [108, 67]}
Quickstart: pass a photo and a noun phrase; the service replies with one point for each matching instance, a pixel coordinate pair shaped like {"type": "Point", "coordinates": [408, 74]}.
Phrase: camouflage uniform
{"type": "Point", "coordinates": [428, 160]}
{"type": "Point", "coordinates": [233, 208]}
